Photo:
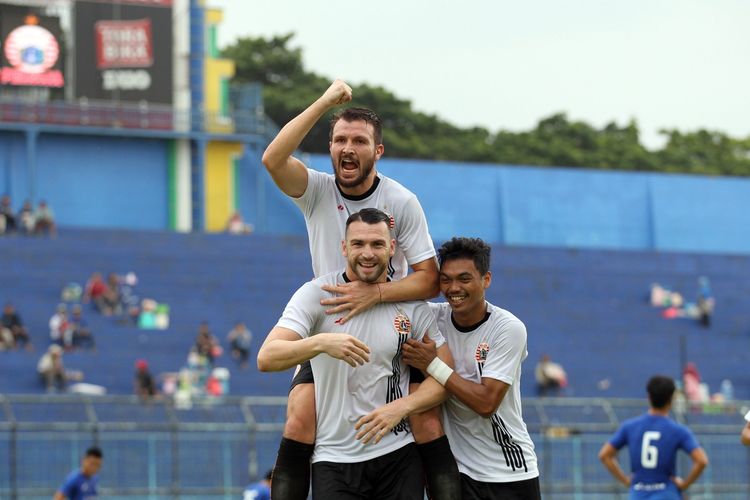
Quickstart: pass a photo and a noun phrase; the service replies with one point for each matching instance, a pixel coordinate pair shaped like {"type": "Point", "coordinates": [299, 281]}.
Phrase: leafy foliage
{"type": "Point", "coordinates": [556, 141]}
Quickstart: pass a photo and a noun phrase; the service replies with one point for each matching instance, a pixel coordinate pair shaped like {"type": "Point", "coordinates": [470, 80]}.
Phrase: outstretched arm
{"type": "Point", "coordinates": [283, 349]}
{"type": "Point", "coordinates": [430, 393]}
{"type": "Point", "coordinates": [700, 461]}
{"type": "Point", "coordinates": [288, 172]}
{"type": "Point", "coordinates": [608, 456]}
{"type": "Point", "coordinates": [358, 296]}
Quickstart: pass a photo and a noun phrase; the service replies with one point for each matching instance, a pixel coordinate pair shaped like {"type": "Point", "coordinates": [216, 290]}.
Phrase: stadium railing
{"type": "Point", "coordinates": [108, 114]}
{"type": "Point", "coordinates": [211, 448]}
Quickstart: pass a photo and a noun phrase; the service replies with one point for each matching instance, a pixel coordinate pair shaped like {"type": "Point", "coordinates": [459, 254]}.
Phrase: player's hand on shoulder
{"type": "Point", "coordinates": [419, 353]}
{"type": "Point", "coordinates": [679, 482]}
{"type": "Point", "coordinates": [338, 93]}
{"type": "Point", "coordinates": [345, 347]}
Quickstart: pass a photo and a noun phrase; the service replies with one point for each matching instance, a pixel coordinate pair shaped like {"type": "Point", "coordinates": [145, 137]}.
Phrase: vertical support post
{"type": "Point", "coordinates": [198, 188]}
{"type": "Point", "coordinates": [32, 134]}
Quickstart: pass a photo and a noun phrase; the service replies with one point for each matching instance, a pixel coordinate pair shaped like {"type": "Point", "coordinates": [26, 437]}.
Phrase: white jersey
{"type": "Point", "coordinates": [496, 449]}
{"type": "Point", "coordinates": [326, 209]}
{"type": "Point", "coordinates": [344, 394]}
{"type": "Point", "coordinates": [747, 416]}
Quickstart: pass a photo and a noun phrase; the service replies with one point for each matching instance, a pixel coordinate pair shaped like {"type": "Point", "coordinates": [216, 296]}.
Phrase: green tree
{"type": "Point", "coordinates": [556, 141]}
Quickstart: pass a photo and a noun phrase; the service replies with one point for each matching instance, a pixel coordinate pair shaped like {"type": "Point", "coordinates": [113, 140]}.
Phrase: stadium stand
{"type": "Point", "coordinates": [586, 307]}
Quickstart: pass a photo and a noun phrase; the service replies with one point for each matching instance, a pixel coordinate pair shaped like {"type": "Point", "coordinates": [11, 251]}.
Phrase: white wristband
{"type": "Point", "coordinates": [439, 370]}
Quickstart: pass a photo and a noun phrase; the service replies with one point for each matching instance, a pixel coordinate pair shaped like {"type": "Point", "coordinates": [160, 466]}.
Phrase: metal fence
{"type": "Point", "coordinates": [213, 448]}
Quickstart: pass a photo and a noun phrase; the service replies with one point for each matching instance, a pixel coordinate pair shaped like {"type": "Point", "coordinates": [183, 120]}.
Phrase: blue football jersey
{"type": "Point", "coordinates": [653, 442]}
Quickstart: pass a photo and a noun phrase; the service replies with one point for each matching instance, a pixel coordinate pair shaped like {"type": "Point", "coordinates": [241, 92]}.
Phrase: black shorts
{"type": "Point", "coordinates": [303, 375]}
{"type": "Point", "coordinates": [528, 489]}
{"type": "Point", "coordinates": [397, 475]}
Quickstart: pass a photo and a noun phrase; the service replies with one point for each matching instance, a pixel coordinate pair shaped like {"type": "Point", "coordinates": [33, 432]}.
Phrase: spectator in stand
{"type": "Point", "coordinates": [60, 332]}
{"type": "Point", "coordinates": [12, 327]}
{"type": "Point", "coordinates": [95, 292]}
{"type": "Point", "coordinates": [235, 225]}
{"type": "Point", "coordinates": [695, 391]}
{"type": "Point", "coordinates": [81, 334]}
{"type": "Point", "coordinates": [705, 301]}
{"type": "Point", "coordinates": [44, 219]}
{"type": "Point", "coordinates": [550, 377]}
{"type": "Point", "coordinates": [51, 369]}
{"type": "Point", "coordinates": [7, 217]}
{"type": "Point", "coordinates": [112, 294]}
{"type": "Point", "coordinates": [6, 340]}
{"type": "Point", "coordinates": [239, 339]}
{"type": "Point", "coordinates": [143, 384]}
{"type": "Point", "coordinates": [26, 219]}
{"type": "Point", "coordinates": [206, 344]}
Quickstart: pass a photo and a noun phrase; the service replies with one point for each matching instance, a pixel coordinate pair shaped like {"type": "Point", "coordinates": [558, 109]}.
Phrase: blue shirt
{"type": "Point", "coordinates": [77, 486]}
{"type": "Point", "coordinates": [653, 442]}
{"type": "Point", "coordinates": [257, 491]}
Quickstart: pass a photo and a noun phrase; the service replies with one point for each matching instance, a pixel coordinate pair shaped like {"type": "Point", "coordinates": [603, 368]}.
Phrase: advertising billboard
{"type": "Point", "coordinates": [123, 50]}
{"type": "Point", "coordinates": [31, 48]}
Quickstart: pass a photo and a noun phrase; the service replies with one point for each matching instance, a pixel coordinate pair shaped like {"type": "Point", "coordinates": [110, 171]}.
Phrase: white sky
{"type": "Point", "coordinates": [504, 64]}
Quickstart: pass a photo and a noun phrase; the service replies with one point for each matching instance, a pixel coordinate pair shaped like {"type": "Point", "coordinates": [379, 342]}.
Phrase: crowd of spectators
{"type": "Point", "coordinates": [674, 305]}
{"type": "Point", "coordinates": [27, 221]}
{"type": "Point", "coordinates": [70, 331]}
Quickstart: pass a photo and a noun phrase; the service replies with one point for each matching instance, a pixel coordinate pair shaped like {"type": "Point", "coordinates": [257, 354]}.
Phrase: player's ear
{"type": "Point", "coordinates": [343, 248]}
{"type": "Point", "coordinates": [393, 247]}
{"type": "Point", "coordinates": [487, 279]}
{"type": "Point", "coordinates": [379, 150]}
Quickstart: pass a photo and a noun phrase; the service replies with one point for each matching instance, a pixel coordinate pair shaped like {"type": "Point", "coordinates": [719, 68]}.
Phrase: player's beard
{"type": "Point", "coordinates": [364, 166]}
{"type": "Point", "coordinates": [370, 277]}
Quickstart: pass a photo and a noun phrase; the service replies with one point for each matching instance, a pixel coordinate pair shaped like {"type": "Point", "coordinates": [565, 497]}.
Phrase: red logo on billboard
{"type": "Point", "coordinates": [123, 44]}
{"type": "Point", "coordinates": [32, 51]}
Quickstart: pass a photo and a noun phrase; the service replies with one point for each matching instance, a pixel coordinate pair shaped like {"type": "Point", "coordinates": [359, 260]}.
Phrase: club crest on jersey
{"type": "Point", "coordinates": [482, 350]}
{"type": "Point", "coordinates": [402, 324]}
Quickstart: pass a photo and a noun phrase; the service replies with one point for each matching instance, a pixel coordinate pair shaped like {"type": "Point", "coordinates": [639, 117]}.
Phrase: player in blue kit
{"type": "Point", "coordinates": [81, 484]}
{"type": "Point", "coordinates": [654, 440]}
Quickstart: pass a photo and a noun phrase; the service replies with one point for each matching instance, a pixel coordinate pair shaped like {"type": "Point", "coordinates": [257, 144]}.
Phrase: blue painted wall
{"type": "Point", "coordinates": [91, 181]}
{"type": "Point", "coordinates": [13, 171]}
{"type": "Point", "coordinates": [123, 183]}
{"type": "Point", "coordinates": [556, 206]}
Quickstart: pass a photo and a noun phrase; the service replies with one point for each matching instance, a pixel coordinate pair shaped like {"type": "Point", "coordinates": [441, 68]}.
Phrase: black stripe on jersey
{"type": "Point", "coordinates": [511, 451]}
{"type": "Point", "coordinates": [394, 383]}
{"type": "Point", "coordinates": [480, 365]}
{"type": "Point", "coordinates": [391, 269]}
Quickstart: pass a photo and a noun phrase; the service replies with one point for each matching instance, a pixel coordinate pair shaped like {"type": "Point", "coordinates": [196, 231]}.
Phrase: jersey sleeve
{"type": "Point", "coordinates": [620, 437]}
{"type": "Point", "coordinates": [68, 487]}
{"type": "Point", "coordinates": [507, 347]}
{"type": "Point", "coordinates": [688, 441]}
{"type": "Point", "coordinates": [301, 313]}
{"type": "Point", "coordinates": [308, 200]}
{"type": "Point", "coordinates": [412, 236]}
{"type": "Point", "coordinates": [747, 416]}
{"type": "Point", "coordinates": [425, 322]}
